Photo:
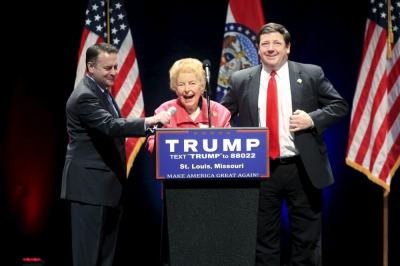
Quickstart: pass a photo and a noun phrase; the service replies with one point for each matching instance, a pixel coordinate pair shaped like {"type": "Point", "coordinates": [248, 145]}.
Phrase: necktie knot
{"type": "Point", "coordinates": [273, 73]}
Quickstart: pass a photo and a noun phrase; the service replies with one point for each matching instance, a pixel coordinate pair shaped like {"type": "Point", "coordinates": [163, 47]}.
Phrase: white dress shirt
{"type": "Point", "coordinates": [287, 148]}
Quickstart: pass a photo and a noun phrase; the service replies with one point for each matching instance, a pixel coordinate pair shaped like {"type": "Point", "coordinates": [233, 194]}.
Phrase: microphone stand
{"type": "Point", "coordinates": [208, 103]}
{"type": "Point", "coordinates": [206, 67]}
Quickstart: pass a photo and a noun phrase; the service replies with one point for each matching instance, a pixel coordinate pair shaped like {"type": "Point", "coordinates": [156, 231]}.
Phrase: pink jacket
{"type": "Point", "coordinates": [220, 117]}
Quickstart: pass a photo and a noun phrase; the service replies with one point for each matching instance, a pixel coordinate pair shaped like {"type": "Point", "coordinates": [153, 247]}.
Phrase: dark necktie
{"type": "Point", "coordinates": [272, 117]}
{"type": "Point", "coordinates": [111, 102]}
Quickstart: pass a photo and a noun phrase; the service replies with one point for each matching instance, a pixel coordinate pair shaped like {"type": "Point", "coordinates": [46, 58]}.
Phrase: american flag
{"type": "Point", "coordinates": [127, 90]}
{"type": "Point", "coordinates": [244, 18]}
{"type": "Point", "coordinates": [374, 137]}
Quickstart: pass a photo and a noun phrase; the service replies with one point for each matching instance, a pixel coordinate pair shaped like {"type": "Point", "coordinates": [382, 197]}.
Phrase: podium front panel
{"type": "Point", "coordinates": [211, 222]}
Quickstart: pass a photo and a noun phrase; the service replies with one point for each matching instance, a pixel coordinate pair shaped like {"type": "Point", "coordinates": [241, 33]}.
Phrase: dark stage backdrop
{"type": "Point", "coordinates": [40, 44]}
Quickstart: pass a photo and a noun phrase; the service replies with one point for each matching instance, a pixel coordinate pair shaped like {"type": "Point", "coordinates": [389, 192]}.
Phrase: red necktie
{"type": "Point", "coordinates": [272, 117]}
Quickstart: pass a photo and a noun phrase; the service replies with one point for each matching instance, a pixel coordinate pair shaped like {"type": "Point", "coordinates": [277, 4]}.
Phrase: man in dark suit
{"type": "Point", "coordinates": [95, 164]}
{"type": "Point", "coordinates": [305, 104]}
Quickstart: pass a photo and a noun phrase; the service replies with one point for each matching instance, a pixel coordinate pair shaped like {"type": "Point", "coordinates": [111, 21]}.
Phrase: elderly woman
{"type": "Point", "coordinates": [187, 79]}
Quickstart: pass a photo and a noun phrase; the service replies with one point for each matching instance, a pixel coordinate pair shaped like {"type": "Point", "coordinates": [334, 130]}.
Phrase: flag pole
{"type": "Point", "coordinates": [385, 228]}
{"type": "Point", "coordinates": [108, 20]}
{"type": "Point", "coordinates": [390, 39]}
{"type": "Point", "coordinates": [390, 36]}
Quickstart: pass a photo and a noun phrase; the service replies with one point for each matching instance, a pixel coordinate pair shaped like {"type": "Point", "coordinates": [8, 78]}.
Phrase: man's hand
{"type": "Point", "coordinates": [300, 120]}
{"type": "Point", "coordinates": [162, 118]}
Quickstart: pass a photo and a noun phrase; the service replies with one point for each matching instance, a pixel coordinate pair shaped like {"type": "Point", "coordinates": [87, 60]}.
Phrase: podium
{"type": "Point", "coordinates": [211, 193]}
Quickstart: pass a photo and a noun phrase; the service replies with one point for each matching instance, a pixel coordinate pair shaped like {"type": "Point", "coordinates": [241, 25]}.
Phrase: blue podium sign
{"type": "Point", "coordinates": [212, 153]}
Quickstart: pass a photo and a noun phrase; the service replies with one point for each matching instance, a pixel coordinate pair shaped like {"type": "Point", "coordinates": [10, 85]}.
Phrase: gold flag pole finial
{"type": "Point", "coordinates": [390, 37]}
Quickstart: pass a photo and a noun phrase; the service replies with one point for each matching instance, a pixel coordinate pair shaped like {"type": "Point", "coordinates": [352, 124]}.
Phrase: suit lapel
{"type": "Point", "coordinates": [103, 97]}
{"type": "Point", "coordinates": [254, 89]}
{"type": "Point", "coordinates": [296, 85]}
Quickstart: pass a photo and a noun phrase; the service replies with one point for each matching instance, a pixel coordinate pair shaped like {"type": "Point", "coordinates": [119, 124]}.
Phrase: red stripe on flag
{"type": "Point", "coordinates": [85, 34]}
{"type": "Point", "coordinates": [394, 75]}
{"type": "Point", "coordinates": [367, 86]}
{"type": "Point", "coordinates": [375, 105]}
{"type": "Point", "coordinates": [132, 147]}
{"type": "Point", "coordinates": [132, 98]}
{"type": "Point", "coordinates": [84, 41]}
{"type": "Point", "coordinates": [392, 161]}
{"type": "Point", "coordinates": [378, 142]}
{"type": "Point", "coordinates": [124, 70]}
{"type": "Point", "coordinates": [131, 143]}
{"type": "Point", "coordinates": [390, 119]}
{"type": "Point", "coordinates": [135, 91]}
{"type": "Point", "coordinates": [371, 26]}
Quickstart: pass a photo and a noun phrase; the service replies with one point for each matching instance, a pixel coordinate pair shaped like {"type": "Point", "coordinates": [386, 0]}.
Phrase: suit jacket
{"type": "Point", "coordinates": [95, 164]}
{"type": "Point", "coordinates": [312, 93]}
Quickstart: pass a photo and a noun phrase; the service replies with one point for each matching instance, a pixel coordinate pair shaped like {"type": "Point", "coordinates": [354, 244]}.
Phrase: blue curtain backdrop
{"type": "Point", "coordinates": [40, 45]}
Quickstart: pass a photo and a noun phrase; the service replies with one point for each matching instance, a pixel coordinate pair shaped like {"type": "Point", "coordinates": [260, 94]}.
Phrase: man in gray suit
{"type": "Point", "coordinates": [95, 163]}
{"type": "Point", "coordinates": [306, 105]}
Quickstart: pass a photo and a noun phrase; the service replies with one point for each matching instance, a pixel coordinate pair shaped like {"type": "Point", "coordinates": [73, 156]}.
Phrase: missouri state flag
{"type": "Point", "coordinates": [244, 18]}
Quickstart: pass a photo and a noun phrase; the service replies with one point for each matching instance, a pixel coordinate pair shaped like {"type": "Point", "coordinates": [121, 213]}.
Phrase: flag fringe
{"type": "Point", "coordinates": [372, 177]}
{"type": "Point", "coordinates": [133, 154]}
{"type": "Point", "coordinates": [395, 167]}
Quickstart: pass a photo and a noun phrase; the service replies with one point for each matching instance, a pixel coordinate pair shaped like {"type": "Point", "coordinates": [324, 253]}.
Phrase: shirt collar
{"type": "Point", "coordinates": [283, 70]}
{"type": "Point", "coordinates": [98, 86]}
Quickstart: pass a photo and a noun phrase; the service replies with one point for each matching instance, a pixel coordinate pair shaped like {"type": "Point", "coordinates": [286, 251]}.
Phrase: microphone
{"type": "Point", "coordinates": [207, 66]}
{"type": "Point", "coordinates": [171, 111]}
